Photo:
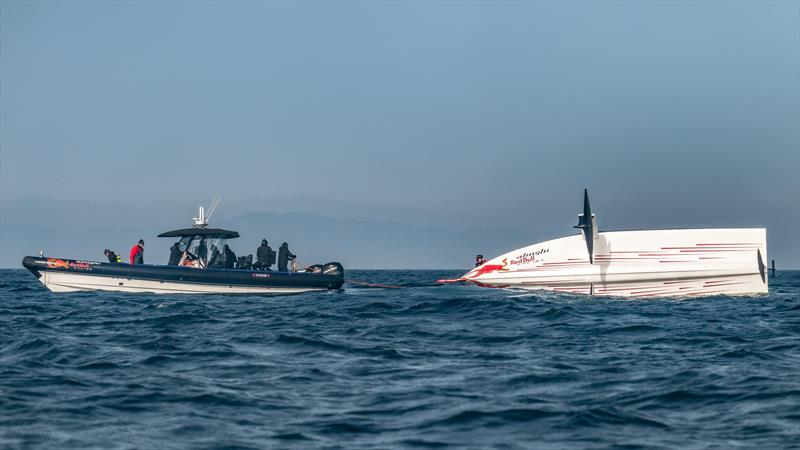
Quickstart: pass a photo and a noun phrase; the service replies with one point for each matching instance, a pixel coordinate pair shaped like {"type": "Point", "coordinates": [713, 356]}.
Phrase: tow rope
{"type": "Point", "coordinates": [377, 285]}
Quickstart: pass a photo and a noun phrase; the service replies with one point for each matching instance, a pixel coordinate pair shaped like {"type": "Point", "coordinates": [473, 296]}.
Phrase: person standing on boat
{"type": "Point", "coordinates": [229, 256]}
{"type": "Point", "coordinates": [265, 256]}
{"type": "Point", "coordinates": [202, 251]}
{"type": "Point", "coordinates": [284, 255]}
{"type": "Point", "coordinates": [137, 253]}
{"type": "Point", "coordinates": [112, 257]}
{"type": "Point", "coordinates": [215, 261]}
{"type": "Point", "coordinates": [174, 254]}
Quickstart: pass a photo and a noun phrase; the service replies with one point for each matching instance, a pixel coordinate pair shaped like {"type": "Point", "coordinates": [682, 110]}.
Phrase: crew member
{"type": "Point", "coordinates": [112, 257]}
{"type": "Point", "coordinates": [214, 261]}
{"type": "Point", "coordinates": [265, 256]}
{"type": "Point", "coordinates": [174, 254]}
{"type": "Point", "coordinates": [479, 261]}
{"type": "Point", "coordinates": [137, 253]}
{"type": "Point", "coordinates": [284, 255]}
{"type": "Point", "coordinates": [229, 256]}
{"type": "Point", "coordinates": [202, 250]}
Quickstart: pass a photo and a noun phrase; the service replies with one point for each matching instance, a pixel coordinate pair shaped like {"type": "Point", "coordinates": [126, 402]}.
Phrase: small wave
{"type": "Point", "coordinates": [313, 343]}
{"type": "Point", "coordinates": [158, 360]}
{"type": "Point", "coordinates": [99, 365]}
{"type": "Point", "coordinates": [292, 437]}
{"type": "Point", "coordinates": [423, 443]}
{"type": "Point", "coordinates": [181, 319]}
{"type": "Point", "coordinates": [540, 378]}
{"type": "Point", "coordinates": [22, 289]}
{"type": "Point", "coordinates": [320, 344]}
{"type": "Point", "coordinates": [734, 339]}
{"type": "Point", "coordinates": [679, 397]}
{"type": "Point", "coordinates": [632, 329]}
{"type": "Point", "coordinates": [162, 344]}
{"type": "Point", "coordinates": [783, 347]}
{"type": "Point", "coordinates": [598, 417]}
{"type": "Point", "coordinates": [213, 400]}
{"type": "Point", "coordinates": [440, 306]}
{"type": "Point", "coordinates": [490, 418]}
{"type": "Point", "coordinates": [500, 339]}
{"type": "Point", "coordinates": [554, 313]}
{"type": "Point", "coordinates": [346, 427]}
{"type": "Point", "coordinates": [743, 353]}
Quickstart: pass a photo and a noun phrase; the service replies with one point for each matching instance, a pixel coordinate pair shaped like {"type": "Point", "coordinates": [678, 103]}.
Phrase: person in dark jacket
{"type": "Point", "coordinates": [265, 256]}
{"type": "Point", "coordinates": [112, 257]}
{"type": "Point", "coordinates": [137, 253]}
{"type": "Point", "coordinates": [479, 260]}
{"type": "Point", "coordinates": [215, 261]}
{"type": "Point", "coordinates": [174, 254]}
{"type": "Point", "coordinates": [202, 250]}
{"type": "Point", "coordinates": [284, 255]}
{"type": "Point", "coordinates": [229, 256]}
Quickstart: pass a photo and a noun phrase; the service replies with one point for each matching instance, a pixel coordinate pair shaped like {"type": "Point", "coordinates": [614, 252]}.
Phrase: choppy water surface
{"type": "Point", "coordinates": [419, 366]}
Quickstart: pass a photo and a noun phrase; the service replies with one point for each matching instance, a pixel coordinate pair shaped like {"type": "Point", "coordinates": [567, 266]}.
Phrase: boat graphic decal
{"type": "Point", "coordinates": [54, 263]}
{"type": "Point", "coordinates": [488, 268]}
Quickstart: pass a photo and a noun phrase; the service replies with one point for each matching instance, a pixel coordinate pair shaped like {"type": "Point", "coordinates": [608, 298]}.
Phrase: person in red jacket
{"type": "Point", "coordinates": [137, 253]}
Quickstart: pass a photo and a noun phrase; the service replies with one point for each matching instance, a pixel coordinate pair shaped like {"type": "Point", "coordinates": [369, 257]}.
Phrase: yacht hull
{"type": "Point", "coordinates": [65, 275]}
{"type": "Point", "coordinates": [645, 263]}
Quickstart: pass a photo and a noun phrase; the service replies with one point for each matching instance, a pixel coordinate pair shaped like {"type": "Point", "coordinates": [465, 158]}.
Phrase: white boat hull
{"type": "Point", "coordinates": [644, 263]}
{"type": "Point", "coordinates": [71, 282]}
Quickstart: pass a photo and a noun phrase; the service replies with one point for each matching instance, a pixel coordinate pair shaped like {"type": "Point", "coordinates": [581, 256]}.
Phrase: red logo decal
{"type": "Point", "coordinates": [487, 268]}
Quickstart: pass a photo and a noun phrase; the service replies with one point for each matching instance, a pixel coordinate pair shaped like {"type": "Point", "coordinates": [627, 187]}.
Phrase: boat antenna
{"type": "Point", "coordinates": [213, 207]}
{"type": "Point", "coordinates": [201, 221]}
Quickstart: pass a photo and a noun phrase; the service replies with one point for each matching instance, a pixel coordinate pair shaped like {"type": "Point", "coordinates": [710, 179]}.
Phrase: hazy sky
{"type": "Point", "coordinates": [673, 114]}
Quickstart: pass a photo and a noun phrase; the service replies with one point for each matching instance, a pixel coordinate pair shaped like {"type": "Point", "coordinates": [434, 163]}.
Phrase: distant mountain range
{"type": "Point", "coordinates": [83, 232]}
{"type": "Point", "coordinates": [355, 234]}
{"type": "Point", "coordinates": [372, 244]}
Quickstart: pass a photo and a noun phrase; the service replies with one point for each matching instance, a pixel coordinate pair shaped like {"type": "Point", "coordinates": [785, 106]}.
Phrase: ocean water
{"type": "Point", "coordinates": [416, 366]}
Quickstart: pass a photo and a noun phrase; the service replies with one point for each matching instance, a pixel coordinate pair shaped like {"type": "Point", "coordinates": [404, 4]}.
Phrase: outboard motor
{"type": "Point", "coordinates": [316, 268]}
{"type": "Point", "coordinates": [333, 268]}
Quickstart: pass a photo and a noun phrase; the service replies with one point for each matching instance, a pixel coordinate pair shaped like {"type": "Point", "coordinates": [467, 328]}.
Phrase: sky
{"type": "Point", "coordinates": [447, 114]}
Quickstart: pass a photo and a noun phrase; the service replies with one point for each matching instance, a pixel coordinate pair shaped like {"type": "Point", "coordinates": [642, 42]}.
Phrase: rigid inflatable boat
{"type": "Point", "coordinates": [190, 276]}
{"type": "Point", "coordinates": [641, 263]}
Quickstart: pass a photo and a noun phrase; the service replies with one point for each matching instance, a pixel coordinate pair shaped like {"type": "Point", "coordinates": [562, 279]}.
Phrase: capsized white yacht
{"type": "Point", "coordinates": [640, 263]}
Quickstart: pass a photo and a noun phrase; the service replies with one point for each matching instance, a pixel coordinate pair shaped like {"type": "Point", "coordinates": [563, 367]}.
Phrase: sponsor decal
{"type": "Point", "coordinates": [54, 263]}
{"type": "Point", "coordinates": [261, 275]}
{"type": "Point", "coordinates": [80, 265]}
{"type": "Point", "coordinates": [509, 264]}
{"type": "Point", "coordinates": [528, 257]}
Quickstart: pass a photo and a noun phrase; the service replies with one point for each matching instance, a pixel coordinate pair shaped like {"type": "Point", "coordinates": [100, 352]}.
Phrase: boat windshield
{"type": "Point", "coordinates": [200, 251]}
